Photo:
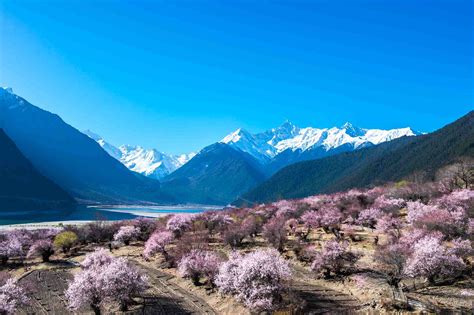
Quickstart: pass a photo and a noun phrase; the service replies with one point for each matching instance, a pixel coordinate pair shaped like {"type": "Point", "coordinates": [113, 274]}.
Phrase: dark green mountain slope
{"type": "Point", "coordinates": [217, 175]}
{"type": "Point", "coordinates": [386, 162]}
{"type": "Point", "coordinates": [69, 158]}
{"type": "Point", "coordinates": [22, 186]}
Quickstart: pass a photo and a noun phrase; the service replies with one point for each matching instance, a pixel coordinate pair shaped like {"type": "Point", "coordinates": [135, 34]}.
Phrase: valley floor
{"type": "Point", "coordinates": [170, 294]}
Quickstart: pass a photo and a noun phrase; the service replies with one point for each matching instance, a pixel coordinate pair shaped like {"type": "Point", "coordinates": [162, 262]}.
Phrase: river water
{"type": "Point", "coordinates": [90, 213]}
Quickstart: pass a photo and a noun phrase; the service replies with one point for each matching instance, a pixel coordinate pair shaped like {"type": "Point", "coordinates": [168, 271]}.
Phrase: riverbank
{"type": "Point", "coordinates": [85, 214]}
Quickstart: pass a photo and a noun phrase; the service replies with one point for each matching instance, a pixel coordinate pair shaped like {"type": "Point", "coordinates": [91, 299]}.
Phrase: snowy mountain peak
{"type": "Point", "coordinates": [266, 145]}
{"type": "Point", "coordinates": [149, 162]}
{"type": "Point", "coordinates": [7, 89]}
{"type": "Point", "coordinates": [236, 136]}
{"type": "Point", "coordinates": [352, 130]}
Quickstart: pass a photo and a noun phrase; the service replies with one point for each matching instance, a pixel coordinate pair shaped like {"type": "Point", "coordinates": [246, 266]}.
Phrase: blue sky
{"type": "Point", "coordinates": [179, 75]}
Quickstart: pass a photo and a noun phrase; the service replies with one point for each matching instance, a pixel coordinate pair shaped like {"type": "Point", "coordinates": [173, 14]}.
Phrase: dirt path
{"type": "Point", "coordinates": [47, 291]}
{"type": "Point", "coordinates": [165, 297]}
{"type": "Point", "coordinates": [321, 300]}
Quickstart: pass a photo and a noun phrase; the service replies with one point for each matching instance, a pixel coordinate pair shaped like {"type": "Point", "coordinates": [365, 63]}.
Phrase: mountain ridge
{"type": "Point", "coordinates": [69, 158]}
{"type": "Point", "coordinates": [22, 186]}
{"type": "Point", "coordinates": [216, 175]}
{"type": "Point", "coordinates": [149, 162]}
{"type": "Point", "coordinates": [389, 161]}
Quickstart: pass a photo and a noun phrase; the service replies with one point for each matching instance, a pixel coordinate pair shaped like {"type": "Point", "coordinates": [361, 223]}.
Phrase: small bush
{"type": "Point", "coordinates": [65, 240]}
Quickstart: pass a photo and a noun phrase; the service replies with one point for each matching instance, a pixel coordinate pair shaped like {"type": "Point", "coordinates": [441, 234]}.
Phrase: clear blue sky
{"type": "Point", "coordinates": [179, 75]}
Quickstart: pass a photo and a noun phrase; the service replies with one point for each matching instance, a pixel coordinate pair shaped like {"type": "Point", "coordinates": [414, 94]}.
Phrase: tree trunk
{"type": "Point", "coordinates": [96, 309]}
{"type": "Point", "coordinates": [45, 257]}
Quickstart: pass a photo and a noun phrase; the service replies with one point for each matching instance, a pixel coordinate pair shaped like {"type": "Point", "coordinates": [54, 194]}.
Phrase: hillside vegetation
{"type": "Point", "coordinates": [391, 161]}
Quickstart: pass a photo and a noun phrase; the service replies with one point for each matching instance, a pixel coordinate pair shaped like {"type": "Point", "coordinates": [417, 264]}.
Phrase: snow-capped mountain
{"type": "Point", "coordinates": [149, 162]}
{"type": "Point", "coordinates": [267, 145]}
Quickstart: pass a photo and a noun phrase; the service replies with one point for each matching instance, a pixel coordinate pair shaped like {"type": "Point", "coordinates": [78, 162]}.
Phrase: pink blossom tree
{"type": "Point", "coordinates": [104, 279]}
{"type": "Point", "coordinates": [291, 225]}
{"type": "Point", "coordinates": [198, 264]}
{"type": "Point", "coordinates": [452, 221]}
{"type": "Point", "coordinates": [257, 279]}
{"type": "Point", "coordinates": [98, 258]}
{"type": "Point", "coordinates": [126, 234]}
{"type": "Point", "coordinates": [12, 297]}
{"type": "Point", "coordinates": [274, 232]}
{"type": "Point", "coordinates": [146, 226]}
{"type": "Point", "coordinates": [157, 244]}
{"type": "Point", "coordinates": [369, 217]}
{"type": "Point", "coordinates": [216, 221]}
{"type": "Point", "coordinates": [10, 248]}
{"type": "Point", "coordinates": [43, 248]}
{"type": "Point", "coordinates": [432, 259]}
{"type": "Point", "coordinates": [389, 205]}
{"type": "Point", "coordinates": [390, 226]}
{"type": "Point", "coordinates": [234, 235]}
{"type": "Point", "coordinates": [251, 226]}
{"type": "Point", "coordinates": [334, 258]}
{"type": "Point", "coordinates": [311, 220]}
{"type": "Point", "coordinates": [391, 260]}
{"type": "Point", "coordinates": [179, 223]}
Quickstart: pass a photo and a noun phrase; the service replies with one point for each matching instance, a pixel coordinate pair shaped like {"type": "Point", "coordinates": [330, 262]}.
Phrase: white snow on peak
{"type": "Point", "coordinates": [148, 162]}
{"type": "Point", "coordinates": [7, 89]}
{"type": "Point", "coordinates": [266, 145]}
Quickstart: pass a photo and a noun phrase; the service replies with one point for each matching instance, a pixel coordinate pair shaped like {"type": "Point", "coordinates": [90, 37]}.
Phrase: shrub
{"type": "Point", "coordinates": [157, 244]}
{"type": "Point", "coordinates": [274, 232]}
{"type": "Point", "coordinates": [65, 240]}
{"type": "Point", "coordinates": [12, 297]}
{"type": "Point", "coordinates": [334, 258]}
{"type": "Point", "coordinates": [126, 234]}
{"type": "Point", "coordinates": [257, 279]}
{"type": "Point", "coordinates": [198, 264]}
{"type": "Point", "coordinates": [43, 248]}
{"type": "Point", "coordinates": [104, 279]}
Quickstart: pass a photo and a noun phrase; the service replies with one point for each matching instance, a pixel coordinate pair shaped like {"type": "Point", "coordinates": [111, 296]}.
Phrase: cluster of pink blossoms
{"type": "Point", "coordinates": [104, 279]}
{"type": "Point", "coordinates": [256, 279]}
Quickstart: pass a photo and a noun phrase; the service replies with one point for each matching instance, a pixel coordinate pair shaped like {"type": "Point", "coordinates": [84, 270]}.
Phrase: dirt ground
{"type": "Point", "coordinates": [170, 294]}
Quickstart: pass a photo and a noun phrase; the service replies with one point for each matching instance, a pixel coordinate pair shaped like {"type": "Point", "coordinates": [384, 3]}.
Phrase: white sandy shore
{"type": "Point", "coordinates": [41, 225]}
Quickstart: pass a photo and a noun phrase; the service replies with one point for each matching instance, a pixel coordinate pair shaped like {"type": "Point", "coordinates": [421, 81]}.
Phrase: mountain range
{"type": "Point", "coordinates": [390, 161]}
{"type": "Point", "coordinates": [69, 158]}
{"type": "Point", "coordinates": [273, 149]}
{"type": "Point", "coordinates": [222, 172]}
{"type": "Point", "coordinates": [287, 161]}
{"type": "Point", "coordinates": [148, 162]}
